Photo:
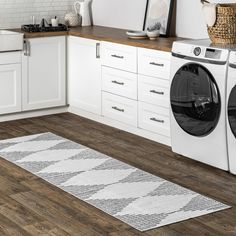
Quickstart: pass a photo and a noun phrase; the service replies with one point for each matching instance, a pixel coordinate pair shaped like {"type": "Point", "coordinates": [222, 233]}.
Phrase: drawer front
{"type": "Point", "coordinates": [119, 108]}
{"type": "Point", "coordinates": [154, 118]}
{"type": "Point", "coordinates": [153, 90]}
{"type": "Point", "coordinates": [154, 63]}
{"type": "Point", "coordinates": [119, 82]}
{"type": "Point", "coordinates": [10, 58]}
{"type": "Point", "coordinates": [119, 56]}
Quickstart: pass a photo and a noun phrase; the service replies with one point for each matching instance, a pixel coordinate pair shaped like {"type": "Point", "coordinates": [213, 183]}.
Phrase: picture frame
{"type": "Point", "coordinates": [159, 11]}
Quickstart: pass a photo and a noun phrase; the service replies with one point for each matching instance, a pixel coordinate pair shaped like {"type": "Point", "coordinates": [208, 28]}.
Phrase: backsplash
{"type": "Point", "coordinates": [14, 13]}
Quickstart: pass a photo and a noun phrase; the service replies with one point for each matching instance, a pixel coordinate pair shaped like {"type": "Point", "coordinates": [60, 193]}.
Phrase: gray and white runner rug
{"type": "Point", "coordinates": [140, 199]}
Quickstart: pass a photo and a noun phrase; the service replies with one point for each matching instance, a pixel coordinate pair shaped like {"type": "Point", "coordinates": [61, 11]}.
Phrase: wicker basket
{"type": "Point", "coordinates": [224, 30]}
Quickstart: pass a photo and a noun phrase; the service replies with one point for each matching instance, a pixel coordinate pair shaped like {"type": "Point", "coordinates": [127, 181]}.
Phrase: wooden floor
{"type": "Point", "coordinates": [30, 206]}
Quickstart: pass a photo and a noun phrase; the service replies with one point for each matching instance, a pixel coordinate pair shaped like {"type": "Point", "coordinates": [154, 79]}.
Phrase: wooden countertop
{"type": "Point", "coordinates": [111, 35]}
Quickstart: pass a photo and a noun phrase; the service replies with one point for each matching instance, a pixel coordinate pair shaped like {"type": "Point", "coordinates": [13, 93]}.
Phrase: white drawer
{"type": "Point", "coordinates": [154, 63]}
{"type": "Point", "coordinates": [119, 108]}
{"type": "Point", "coordinates": [154, 118]}
{"type": "Point", "coordinates": [153, 90]}
{"type": "Point", "coordinates": [10, 57]}
{"type": "Point", "coordinates": [119, 82]}
{"type": "Point", "coordinates": [119, 56]}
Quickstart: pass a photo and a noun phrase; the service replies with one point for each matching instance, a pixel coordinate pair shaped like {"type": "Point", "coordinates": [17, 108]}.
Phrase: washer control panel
{"type": "Point", "coordinates": [200, 52]}
{"type": "Point", "coordinates": [213, 53]}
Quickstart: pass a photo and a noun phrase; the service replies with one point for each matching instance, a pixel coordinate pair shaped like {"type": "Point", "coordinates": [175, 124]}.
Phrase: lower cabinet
{"type": "Point", "coordinates": [10, 88]}
{"type": "Point", "coordinates": [44, 75]}
{"type": "Point", "coordinates": [154, 118]}
{"type": "Point", "coordinates": [84, 74]}
{"type": "Point", "coordinates": [119, 108]}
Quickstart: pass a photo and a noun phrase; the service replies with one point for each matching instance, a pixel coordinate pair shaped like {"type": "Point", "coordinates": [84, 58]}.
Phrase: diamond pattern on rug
{"type": "Point", "coordinates": [142, 200]}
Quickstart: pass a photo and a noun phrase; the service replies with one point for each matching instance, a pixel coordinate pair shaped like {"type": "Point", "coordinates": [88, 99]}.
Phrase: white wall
{"type": "Point", "coordinates": [127, 14]}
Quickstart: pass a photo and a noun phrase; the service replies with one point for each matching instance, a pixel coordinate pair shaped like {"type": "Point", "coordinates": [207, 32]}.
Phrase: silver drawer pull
{"type": "Point", "coordinates": [157, 92]}
{"type": "Point", "coordinates": [156, 64]}
{"type": "Point", "coordinates": [118, 109]}
{"type": "Point", "coordinates": [117, 82]}
{"type": "Point", "coordinates": [117, 56]}
{"type": "Point", "coordinates": [157, 120]}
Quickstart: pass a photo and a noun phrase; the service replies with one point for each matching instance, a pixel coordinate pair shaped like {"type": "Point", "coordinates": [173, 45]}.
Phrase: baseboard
{"type": "Point", "coordinates": [134, 130]}
{"type": "Point", "coordinates": [31, 114]}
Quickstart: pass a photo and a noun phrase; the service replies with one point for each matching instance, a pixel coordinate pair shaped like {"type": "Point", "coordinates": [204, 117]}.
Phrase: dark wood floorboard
{"type": "Point", "coordinates": [29, 206]}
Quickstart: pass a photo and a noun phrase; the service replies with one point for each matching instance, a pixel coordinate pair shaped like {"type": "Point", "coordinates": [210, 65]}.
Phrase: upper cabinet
{"type": "Point", "coordinates": [43, 71]}
{"type": "Point", "coordinates": [84, 74]}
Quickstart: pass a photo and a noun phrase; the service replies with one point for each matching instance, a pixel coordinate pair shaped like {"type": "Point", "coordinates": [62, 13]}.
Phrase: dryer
{"type": "Point", "coordinates": [197, 96]}
{"type": "Point", "coordinates": [231, 112]}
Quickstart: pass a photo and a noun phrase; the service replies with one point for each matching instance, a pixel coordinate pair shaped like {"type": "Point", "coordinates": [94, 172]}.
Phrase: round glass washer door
{"type": "Point", "coordinates": [232, 110]}
{"type": "Point", "coordinates": [195, 100]}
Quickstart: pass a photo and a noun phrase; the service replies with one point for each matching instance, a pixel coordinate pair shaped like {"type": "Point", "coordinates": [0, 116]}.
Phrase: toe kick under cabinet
{"type": "Point", "coordinates": [126, 87]}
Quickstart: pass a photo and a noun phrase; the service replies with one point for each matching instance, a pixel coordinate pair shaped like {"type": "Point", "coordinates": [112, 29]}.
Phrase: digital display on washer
{"type": "Point", "coordinates": [213, 53]}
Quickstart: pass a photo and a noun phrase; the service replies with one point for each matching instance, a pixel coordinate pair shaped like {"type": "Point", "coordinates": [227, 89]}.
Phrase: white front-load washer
{"type": "Point", "coordinates": [231, 112]}
{"type": "Point", "coordinates": [197, 96]}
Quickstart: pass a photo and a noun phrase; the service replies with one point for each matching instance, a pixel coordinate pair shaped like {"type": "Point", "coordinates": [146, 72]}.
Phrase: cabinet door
{"type": "Point", "coordinates": [10, 88]}
{"type": "Point", "coordinates": [44, 73]}
{"type": "Point", "coordinates": [84, 73]}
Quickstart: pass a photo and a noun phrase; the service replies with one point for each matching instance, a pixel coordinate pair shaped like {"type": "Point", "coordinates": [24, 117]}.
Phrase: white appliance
{"type": "Point", "coordinates": [231, 112]}
{"type": "Point", "coordinates": [198, 92]}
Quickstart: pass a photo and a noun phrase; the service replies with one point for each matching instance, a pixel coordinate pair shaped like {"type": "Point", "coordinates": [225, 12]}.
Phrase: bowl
{"type": "Point", "coordinates": [153, 35]}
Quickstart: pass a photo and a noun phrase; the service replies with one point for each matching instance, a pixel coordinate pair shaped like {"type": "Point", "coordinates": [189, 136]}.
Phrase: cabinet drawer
{"type": "Point", "coordinates": [119, 108]}
{"type": "Point", "coordinates": [153, 90]}
{"type": "Point", "coordinates": [119, 56]}
{"type": "Point", "coordinates": [154, 63]}
{"type": "Point", "coordinates": [10, 58]}
{"type": "Point", "coordinates": [119, 82]}
{"type": "Point", "coordinates": [154, 118]}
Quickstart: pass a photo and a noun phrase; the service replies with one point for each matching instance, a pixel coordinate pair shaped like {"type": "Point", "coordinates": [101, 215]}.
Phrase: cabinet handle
{"type": "Point", "coordinates": [116, 82]}
{"type": "Point", "coordinates": [118, 109]}
{"type": "Point", "coordinates": [26, 48]}
{"type": "Point", "coordinates": [157, 120]}
{"type": "Point", "coordinates": [156, 64]}
{"type": "Point", "coordinates": [157, 92]}
{"type": "Point", "coordinates": [117, 56]}
{"type": "Point", "coordinates": [98, 50]}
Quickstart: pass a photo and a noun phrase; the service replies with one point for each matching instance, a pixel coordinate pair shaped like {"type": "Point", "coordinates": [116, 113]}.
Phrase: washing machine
{"type": "Point", "coordinates": [231, 112]}
{"type": "Point", "coordinates": [198, 99]}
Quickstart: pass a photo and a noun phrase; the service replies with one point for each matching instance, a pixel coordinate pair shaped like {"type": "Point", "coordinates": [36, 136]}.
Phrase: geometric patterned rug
{"type": "Point", "coordinates": [140, 199]}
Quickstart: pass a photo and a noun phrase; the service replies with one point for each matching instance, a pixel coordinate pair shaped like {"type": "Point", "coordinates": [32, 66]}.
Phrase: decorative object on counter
{"type": "Point", "coordinates": [73, 19]}
{"type": "Point", "coordinates": [223, 29]}
{"type": "Point", "coordinates": [44, 23]}
{"type": "Point", "coordinates": [209, 11]}
{"type": "Point", "coordinates": [84, 6]}
{"type": "Point", "coordinates": [153, 32]}
{"type": "Point", "coordinates": [136, 34]}
{"type": "Point", "coordinates": [38, 28]}
{"type": "Point", "coordinates": [159, 11]}
{"type": "Point", "coordinates": [55, 22]}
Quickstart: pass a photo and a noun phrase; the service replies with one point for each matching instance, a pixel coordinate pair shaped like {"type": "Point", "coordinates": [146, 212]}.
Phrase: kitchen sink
{"type": "Point", "coordinates": [10, 41]}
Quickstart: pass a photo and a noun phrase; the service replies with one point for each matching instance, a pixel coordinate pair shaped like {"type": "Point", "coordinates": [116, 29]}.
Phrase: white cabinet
{"type": "Point", "coordinates": [84, 73]}
{"type": "Point", "coordinates": [119, 82]}
{"type": "Point", "coordinates": [10, 88]}
{"type": "Point", "coordinates": [119, 108]}
{"type": "Point", "coordinates": [44, 76]}
{"type": "Point", "coordinates": [119, 56]}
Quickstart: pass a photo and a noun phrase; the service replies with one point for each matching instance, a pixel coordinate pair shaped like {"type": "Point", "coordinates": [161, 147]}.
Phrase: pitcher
{"type": "Point", "coordinates": [84, 6]}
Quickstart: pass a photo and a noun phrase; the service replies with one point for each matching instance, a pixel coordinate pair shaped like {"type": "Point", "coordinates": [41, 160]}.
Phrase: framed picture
{"type": "Point", "coordinates": [159, 11]}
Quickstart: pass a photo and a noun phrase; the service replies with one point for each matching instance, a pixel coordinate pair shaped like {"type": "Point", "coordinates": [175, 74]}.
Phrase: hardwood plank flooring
{"type": "Point", "coordinates": [29, 206]}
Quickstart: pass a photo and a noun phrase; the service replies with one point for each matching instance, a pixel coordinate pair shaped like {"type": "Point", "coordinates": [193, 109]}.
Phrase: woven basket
{"type": "Point", "coordinates": [224, 30]}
